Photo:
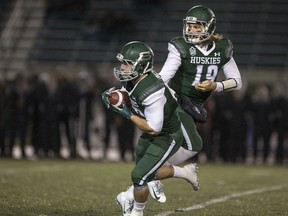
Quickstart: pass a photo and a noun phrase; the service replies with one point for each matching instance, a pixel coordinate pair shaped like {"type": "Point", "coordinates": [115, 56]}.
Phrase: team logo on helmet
{"type": "Point", "coordinates": [137, 54]}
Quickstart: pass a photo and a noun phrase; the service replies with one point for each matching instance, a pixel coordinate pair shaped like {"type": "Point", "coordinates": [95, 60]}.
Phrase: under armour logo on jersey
{"type": "Point", "coordinates": [217, 54]}
{"type": "Point", "coordinates": [192, 51]}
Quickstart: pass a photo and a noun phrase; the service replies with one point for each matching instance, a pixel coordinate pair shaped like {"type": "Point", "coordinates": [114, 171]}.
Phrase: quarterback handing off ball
{"type": "Point", "coordinates": [117, 98]}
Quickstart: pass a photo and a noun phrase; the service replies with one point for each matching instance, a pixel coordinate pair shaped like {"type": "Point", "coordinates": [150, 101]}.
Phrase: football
{"type": "Point", "coordinates": [117, 97]}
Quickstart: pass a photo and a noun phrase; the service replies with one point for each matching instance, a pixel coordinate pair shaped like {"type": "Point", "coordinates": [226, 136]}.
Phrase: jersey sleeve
{"type": "Point", "coordinates": [171, 64]}
{"type": "Point", "coordinates": [233, 80]}
{"type": "Point", "coordinates": [230, 70]}
{"type": "Point", "coordinates": [154, 110]}
{"type": "Point", "coordinates": [229, 49]}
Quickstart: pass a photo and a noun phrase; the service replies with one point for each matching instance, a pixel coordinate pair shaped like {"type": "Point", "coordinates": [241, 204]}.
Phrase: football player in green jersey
{"type": "Point", "coordinates": [155, 113]}
{"type": "Point", "coordinates": [191, 69]}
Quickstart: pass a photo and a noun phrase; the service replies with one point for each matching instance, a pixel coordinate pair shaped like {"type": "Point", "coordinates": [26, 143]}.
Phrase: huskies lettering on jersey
{"type": "Point", "coordinates": [205, 60]}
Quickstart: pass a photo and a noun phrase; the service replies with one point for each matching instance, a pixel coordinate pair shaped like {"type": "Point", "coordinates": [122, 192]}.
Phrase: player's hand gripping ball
{"type": "Point", "coordinates": [117, 98]}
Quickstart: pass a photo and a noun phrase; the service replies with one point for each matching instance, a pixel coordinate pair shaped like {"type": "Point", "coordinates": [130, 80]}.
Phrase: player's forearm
{"type": "Point", "coordinates": [233, 79]}
{"type": "Point", "coordinates": [229, 84]}
{"type": "Point", "coordinates": [143, 125]}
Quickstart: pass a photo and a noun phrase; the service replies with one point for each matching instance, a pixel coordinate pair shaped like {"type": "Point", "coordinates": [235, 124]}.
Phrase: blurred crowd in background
{"type": "Point", "coordinates": [41, 114]}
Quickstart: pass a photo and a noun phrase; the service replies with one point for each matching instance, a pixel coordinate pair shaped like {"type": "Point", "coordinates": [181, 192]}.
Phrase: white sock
{"type": "Point", "coordinates": [139, 206]}
{"type": "Point", "coordinates": [179, 172]}
{"type": "Point", "coordinates": [181, 156]}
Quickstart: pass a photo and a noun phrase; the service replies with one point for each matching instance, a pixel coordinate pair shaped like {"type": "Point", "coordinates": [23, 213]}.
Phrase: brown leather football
{"type": "Point", "coordinates": [117, 97]}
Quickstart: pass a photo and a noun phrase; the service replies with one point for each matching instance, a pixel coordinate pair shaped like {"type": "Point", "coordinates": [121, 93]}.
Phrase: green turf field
{"type": "Point", "coordinates": [60, 188]}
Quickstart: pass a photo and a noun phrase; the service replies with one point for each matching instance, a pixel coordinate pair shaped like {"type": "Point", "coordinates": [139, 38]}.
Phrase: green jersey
{"type": "Point", "coordinates": [197, 65]}
{"type": "Point", "coordinates": [152, 100]}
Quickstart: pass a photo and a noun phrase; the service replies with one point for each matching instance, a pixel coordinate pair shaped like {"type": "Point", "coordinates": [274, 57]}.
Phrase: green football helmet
{"type": "Point", "coordinates": [200, 15]}
{"type": "Point", "coordinates": [137, 54]}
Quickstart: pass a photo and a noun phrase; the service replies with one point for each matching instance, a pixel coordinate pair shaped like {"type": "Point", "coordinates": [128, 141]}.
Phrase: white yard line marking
{"type": "Point", "coordinates": [223, 199]}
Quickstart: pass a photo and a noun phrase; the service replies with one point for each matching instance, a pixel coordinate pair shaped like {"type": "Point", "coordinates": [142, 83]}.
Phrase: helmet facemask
{"type": "Point", "coordinates": [203, 16]}
{"type": "Point", "coordinates": [141, 66]}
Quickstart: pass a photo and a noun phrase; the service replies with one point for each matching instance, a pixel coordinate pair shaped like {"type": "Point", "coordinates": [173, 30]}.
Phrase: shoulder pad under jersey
{"type": "Point", "coordinates": [228, 46]}
{"type": "Point", "coordinates": [180, 45]}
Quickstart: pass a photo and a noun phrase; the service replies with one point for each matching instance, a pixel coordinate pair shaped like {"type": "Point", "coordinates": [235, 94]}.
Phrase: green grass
{"type": "Point", "coordinates": [60, 188]}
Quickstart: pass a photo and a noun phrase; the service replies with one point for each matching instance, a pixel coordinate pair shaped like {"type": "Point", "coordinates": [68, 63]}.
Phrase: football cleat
{"type": "Point", "coordinates": [126, 204]}
{"type": "Point", "coordinates": [136, 213]}
{"type": "Point", "coordinates": [156, 191]}
{"type": "Point", "coordinates": [191, 175]}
